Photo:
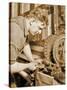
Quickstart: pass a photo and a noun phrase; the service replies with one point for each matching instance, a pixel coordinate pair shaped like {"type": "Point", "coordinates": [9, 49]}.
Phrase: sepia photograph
{"type": "Point", "coordinates": [36, 44]}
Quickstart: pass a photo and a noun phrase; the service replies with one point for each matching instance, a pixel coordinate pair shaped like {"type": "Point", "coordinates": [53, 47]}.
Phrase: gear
{"type": "Point", "coordinates": [48, 45]}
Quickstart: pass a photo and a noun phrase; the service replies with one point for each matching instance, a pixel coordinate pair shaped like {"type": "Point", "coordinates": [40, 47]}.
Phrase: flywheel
{"type": "Point", "coordinates": [58, 50]}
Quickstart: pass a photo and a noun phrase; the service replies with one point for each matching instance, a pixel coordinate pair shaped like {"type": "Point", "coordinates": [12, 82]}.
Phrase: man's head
{"type": "Point", "coordinates": [34, 26]}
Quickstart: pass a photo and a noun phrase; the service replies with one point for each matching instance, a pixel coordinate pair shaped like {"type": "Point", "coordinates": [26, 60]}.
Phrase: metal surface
{"type": "Point", "coordinates": [58, 50]}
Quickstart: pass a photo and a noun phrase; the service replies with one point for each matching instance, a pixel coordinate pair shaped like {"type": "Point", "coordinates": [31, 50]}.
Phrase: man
{"type": "Point", "coordinates": [20, 28]}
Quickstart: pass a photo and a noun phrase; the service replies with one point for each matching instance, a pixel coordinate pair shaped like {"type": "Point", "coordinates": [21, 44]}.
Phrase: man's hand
{"type": "Point", "coordinates": [32, 66]}
{"type": "Point", "coordinates": [39, 63]}
{"type": "Point", "coordinates": [36, 63]}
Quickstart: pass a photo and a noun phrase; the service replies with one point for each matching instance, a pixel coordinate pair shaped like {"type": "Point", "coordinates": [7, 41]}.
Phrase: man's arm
{"type": "Point", "coordinates": [28, 53]}
{"type": "Point", "coordinates": [17, 67]}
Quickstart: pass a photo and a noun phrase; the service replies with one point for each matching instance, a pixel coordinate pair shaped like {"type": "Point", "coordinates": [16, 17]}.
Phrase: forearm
{"type": "Point", "coordinates": [25, 76]}
{"type": "Point", "coordinates": [17, 67]}
{"type": "Point", "coordinates": [28, 53]}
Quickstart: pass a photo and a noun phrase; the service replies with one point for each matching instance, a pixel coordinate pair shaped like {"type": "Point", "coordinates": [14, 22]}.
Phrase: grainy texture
{"type": "Point", "coordinates": [48, 47]}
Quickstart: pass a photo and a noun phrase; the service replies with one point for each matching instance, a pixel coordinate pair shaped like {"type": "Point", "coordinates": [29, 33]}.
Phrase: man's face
{"type": "Point", "coordinates": [35, 26]}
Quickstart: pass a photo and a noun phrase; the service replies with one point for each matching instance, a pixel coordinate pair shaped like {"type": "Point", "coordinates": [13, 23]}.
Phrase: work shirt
{"type": "Point", "coordinates": [17, 38]}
